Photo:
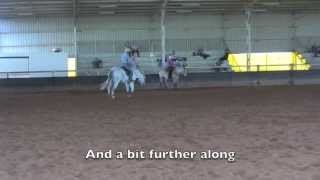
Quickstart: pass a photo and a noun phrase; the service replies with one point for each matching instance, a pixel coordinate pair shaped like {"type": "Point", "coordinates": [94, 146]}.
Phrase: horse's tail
{"type": "Point", "coordinates": [110, 76]}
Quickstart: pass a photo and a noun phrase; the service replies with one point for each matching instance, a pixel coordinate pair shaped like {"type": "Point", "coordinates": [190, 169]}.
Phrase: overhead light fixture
{"type": "Point", "coordinates": [56, 50]}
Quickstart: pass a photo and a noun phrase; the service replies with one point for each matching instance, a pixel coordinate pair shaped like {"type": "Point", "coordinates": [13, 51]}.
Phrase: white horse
{"type": "Point", "coordinates": [176, 73]}
{"type": "Point", "coordinates": [117, 75]}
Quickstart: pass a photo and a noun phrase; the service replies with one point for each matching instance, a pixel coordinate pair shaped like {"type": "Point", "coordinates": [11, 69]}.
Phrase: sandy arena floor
{"type": "Point", "coordinates": [275, 132]}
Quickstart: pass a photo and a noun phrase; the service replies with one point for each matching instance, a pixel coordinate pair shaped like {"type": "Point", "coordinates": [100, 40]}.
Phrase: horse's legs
{"type": "Point", "coordinates": [104, 85]}
{"type": "Point", "coordinates": [110, 84]}
{"type": "Point", "coordinates": [131, 86]}
{"type": "Point", "coordinates": [175, 81]}
{"type": "Point", "coordinates": [175, 85]}
{"type": "Point", "coordinates": [127, 84]}
{"type": "Point", "coordinates": [165, 80]}
{"type": "Point", "coordinates": [113, 88]}
{"type": "Point", "coordinates": [160, 81]}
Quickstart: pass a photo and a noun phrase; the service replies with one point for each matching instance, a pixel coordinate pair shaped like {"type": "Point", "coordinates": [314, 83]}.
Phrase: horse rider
{"type": "Point", "coordinates": [135, 55]}
{"type": "Point", "coordinates": [127, 62]}
{"type": "Point", "coordinates": [171, 63]}
{"type": "Point", "coordinates": [135, 51]}
{"type": "Point", "coordinates": [315, 50]}
{"type": "Point", "coordinates": [224, 57]}
{"type": "Point", "coordinates": [223, 61]}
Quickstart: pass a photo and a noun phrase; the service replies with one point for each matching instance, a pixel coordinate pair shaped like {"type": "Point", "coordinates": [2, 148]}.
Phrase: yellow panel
{"type": "Point", "coordinates": [72, 67]}
{"type": "Point", "coordinates": [272, 61]}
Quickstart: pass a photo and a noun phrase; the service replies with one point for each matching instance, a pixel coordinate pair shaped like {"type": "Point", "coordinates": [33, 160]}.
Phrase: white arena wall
{"type": "Point", "coordinates": [103, 37]}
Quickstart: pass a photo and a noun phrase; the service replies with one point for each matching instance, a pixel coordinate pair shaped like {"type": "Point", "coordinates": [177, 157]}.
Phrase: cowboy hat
{"type": "Point", "coordinates": [127, 49]}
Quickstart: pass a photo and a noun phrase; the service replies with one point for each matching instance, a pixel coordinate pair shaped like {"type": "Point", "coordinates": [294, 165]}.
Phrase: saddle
{"type": "Point", "coordinates": [128, 72]}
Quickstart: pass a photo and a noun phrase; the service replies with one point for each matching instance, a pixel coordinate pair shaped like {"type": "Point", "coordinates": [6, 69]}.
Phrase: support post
{"type": "Point", "coordinates": [249, 37]}
{"type": "Point", "coordinates": [294, 27]}
{"type": "Point", "coordinates": [75, 43]}
{"type": "Point", "coordinates": [163, 31]}
{"type": "Point", "coordinates": [223, 19]}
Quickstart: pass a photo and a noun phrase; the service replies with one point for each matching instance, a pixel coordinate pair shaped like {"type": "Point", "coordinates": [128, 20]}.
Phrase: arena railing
{"type": "Point", "coordinates": [194, 69]}
{"type": "Point", "coordinates": [36, 74]}
{"type": "Point", "coordinates": [256, 68]}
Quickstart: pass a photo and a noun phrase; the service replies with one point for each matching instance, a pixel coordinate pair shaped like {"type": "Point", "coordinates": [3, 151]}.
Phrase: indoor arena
{"type": "Point", "coordinates": [159, 89]}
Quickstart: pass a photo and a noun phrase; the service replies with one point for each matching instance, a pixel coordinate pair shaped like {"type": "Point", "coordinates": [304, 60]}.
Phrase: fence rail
{"type": "Point", "coordinates": [202, 79]}
{"type": "Point", "coordinates": [35, 74]}
{"type": "Point", "coordinates": [149, 70]}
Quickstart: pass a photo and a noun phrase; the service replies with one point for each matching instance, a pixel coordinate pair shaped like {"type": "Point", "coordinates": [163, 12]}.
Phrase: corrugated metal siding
{"type": "Point", "coordinates": [308, 30]}
{"type": "Point", "coordinates": [36, 35]}
{"type": "Point", "coordinates": [104, 37]}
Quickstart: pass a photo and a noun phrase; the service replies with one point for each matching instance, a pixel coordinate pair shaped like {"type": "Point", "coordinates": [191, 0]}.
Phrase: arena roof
{"type": "Point", "coordinates": [16, 8]}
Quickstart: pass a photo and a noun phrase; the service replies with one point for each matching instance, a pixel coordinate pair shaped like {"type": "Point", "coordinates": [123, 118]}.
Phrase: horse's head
{"type": "Point", "coordinates": [181, 67]}
{"type": "Point", "coordinates": [137, 75]}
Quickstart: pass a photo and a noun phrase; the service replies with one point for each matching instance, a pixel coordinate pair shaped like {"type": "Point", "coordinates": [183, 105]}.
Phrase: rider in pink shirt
{"type": "Point", "coordinates": [171, 63]}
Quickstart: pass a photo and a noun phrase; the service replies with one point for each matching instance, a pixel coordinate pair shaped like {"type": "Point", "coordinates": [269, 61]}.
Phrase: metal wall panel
{"type": "Point", "coordinates": [36, 35]}
{"type": "Point", "coordinates": [308, 30]}
{"type": "Point", "coordinates": [105, 36]}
